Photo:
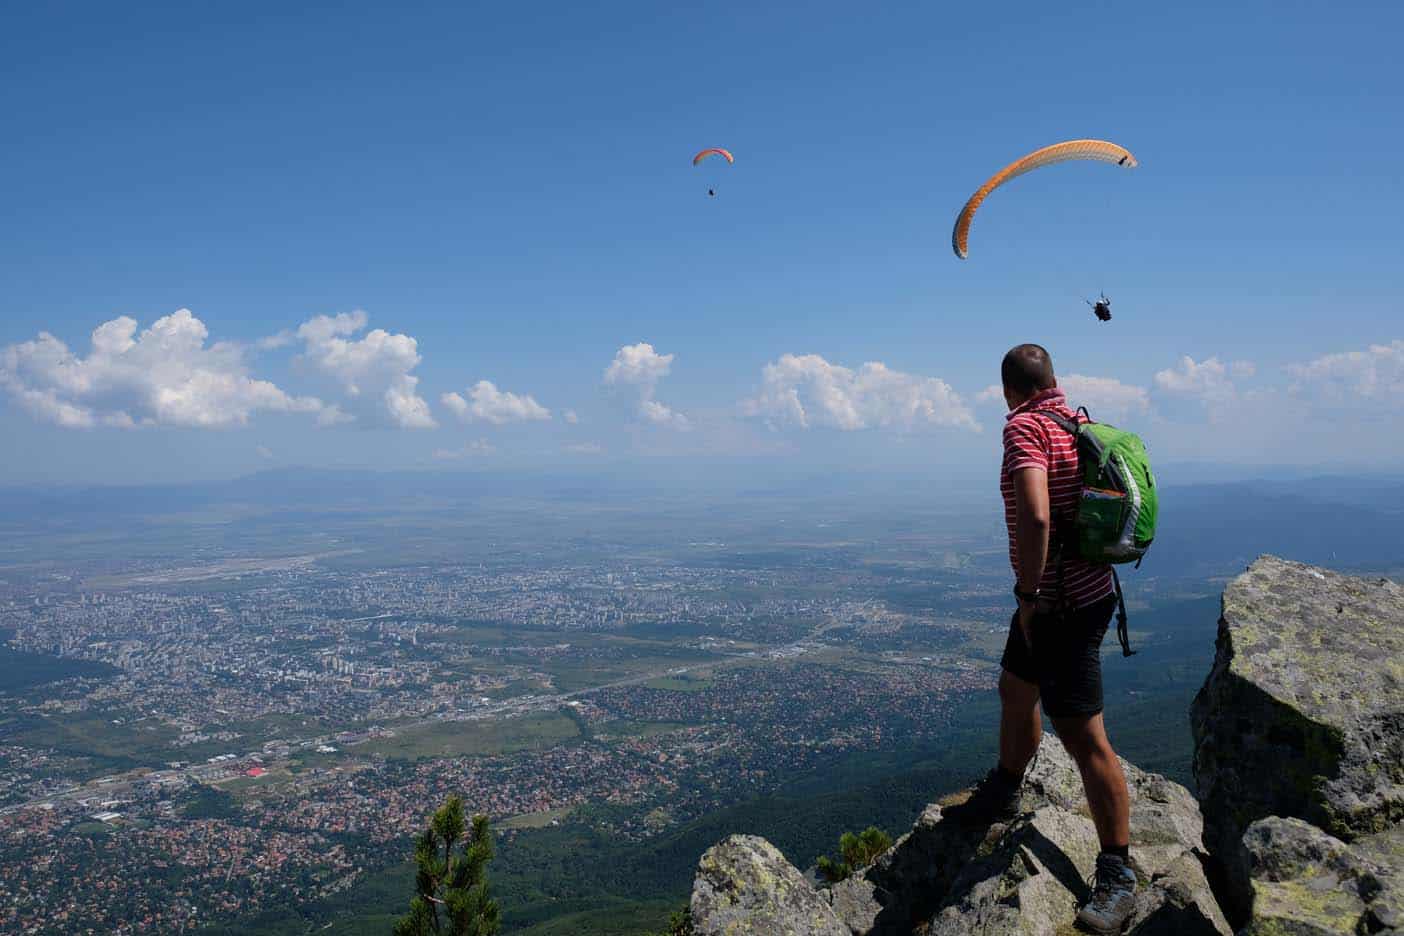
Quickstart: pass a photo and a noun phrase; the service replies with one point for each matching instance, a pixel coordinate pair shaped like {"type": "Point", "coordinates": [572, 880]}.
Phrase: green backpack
{"type": "Point", "coordinates": [1116, 514]}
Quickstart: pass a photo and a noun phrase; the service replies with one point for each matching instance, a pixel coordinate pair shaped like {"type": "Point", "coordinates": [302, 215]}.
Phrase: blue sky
{"type": "Point", "coordinates": [509, 188]}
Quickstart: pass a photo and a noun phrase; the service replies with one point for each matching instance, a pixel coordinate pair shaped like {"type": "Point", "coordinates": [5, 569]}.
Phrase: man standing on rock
{"type": "Point", "coordinates": [1052, 659]}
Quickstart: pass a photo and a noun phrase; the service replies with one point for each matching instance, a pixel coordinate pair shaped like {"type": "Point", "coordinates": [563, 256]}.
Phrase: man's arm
{"type": "Point", "coordinates": [1031, 525]}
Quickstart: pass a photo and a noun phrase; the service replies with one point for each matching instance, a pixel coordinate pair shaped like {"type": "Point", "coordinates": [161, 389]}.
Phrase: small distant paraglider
{"type": "Point", "coordinates": [713, 151]}
{"type": "Point", "coordinates": [1099, 150]}
{"type": "Point", "coordinates": [1101, 308]}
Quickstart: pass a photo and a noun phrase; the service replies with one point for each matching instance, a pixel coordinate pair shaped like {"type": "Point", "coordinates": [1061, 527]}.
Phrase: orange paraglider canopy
{"type": "Point", "coordinates": [1099, 150]}
{"type": "Point", "coordinates": [714, 151]}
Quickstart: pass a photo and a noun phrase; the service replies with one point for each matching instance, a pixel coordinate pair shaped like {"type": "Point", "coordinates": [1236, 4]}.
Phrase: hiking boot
{"type": "Point", "coordinates": [995, 800]}
{"type": "Point", "coordinates": [1113, 897]}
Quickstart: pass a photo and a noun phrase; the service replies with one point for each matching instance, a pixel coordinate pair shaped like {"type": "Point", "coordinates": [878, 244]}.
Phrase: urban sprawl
{"type": "Point", "coordinates": [244, 736]}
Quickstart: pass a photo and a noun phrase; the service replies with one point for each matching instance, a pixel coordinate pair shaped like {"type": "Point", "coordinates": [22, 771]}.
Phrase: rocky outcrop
{"type": "Point", "coordinates": [744, 885]}
{"type": "Point", "coordinates": [1301, 717]}
{"type": "Point", "coordinates": [1299, 768]}
{"type": "Point", "coordinates": [1032, 878]}
{"type": "Point", "coordinates": [1305, 881]}
{"type": "Point", "coordinates": [952, 874]}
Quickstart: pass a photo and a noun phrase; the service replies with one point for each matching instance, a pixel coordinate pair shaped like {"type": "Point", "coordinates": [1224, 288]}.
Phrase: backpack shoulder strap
{"type": "Point", "coordinates": [1122, 634]}
{"type": "Point", "coordinates": [1067, 425]}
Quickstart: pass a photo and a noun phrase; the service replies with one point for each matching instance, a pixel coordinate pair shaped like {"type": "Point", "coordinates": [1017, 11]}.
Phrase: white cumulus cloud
{"type": "Point", "coordinates": [375, 369]}
{"type": "Point", "coordinates": [486, 403]}
{"type": "Point", "coordinates": [1210, 380]}
{"type": "Point", "coordinates": [662, 415]}
{"type": "Point", "coordinates": [1373, 375]}
{"type": "Point", "coordinates": [806, 390]}
{"type": "Point", "coordinates": [163, 376]}
{"type": "Point", "coordinates": [272, 342]}
{"type": "Point", "coordinates": [994, 393]}
{"type": "Point", "coordinates": [1106, 398]}
{"type": "Point", "coordinates": [639, 365]}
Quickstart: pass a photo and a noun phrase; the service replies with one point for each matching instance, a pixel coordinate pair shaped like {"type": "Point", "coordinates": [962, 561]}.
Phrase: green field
{"type": "Point", "coordinates": [141, 742]}
{"type": "Point", "coordinates": [460, 738]}
{"type": "Point", "coordinates": [571, 676]}
{"type": "Point", "coordinates": [694, 681]}
{"type": "Point", "coordinates": [536, 820]}
{"type": "Point", "coordinates": [253, 785]}
{"type": "Point", "coordinates": [112, 746]}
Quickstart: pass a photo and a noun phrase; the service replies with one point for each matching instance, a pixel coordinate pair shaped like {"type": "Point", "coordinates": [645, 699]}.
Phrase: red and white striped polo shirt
{"type": "Point", "coordinates": [1034, 441]}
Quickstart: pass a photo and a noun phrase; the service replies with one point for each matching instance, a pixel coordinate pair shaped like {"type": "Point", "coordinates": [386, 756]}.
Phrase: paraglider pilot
{"type": "Point", "coordinates": [1101, 308]}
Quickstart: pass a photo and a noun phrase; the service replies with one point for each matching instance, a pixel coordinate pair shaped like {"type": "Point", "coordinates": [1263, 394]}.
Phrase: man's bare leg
{"type": "Point", "coordinates": [1102, 777]}
{"type": "Point", "coordinates": [1020, 723]}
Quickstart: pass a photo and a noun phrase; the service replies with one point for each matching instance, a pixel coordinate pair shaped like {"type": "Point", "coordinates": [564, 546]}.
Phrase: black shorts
{"type": "Point", "coordinates": [1066, 660]}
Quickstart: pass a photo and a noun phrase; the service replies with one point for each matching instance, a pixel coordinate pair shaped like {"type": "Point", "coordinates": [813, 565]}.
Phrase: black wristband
{"type": "Point", "coordinates": [1026, 596]}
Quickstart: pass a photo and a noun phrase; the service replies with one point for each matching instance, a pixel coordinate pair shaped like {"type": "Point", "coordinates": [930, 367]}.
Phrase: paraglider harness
{"type": "Point", "coordinates": [1114, 520]}
{"type": "Point", "coordinates": [1101, 308]}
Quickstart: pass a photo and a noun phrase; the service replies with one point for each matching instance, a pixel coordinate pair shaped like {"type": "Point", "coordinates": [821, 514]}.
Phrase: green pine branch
{"type": "Point", "coordinates": [451, 890]}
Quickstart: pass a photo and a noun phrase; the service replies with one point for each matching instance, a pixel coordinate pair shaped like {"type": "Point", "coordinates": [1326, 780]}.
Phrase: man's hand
{"type": "Point", "coordinates": [1027, 610]}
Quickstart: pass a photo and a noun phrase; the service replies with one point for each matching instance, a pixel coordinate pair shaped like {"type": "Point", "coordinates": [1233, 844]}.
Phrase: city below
{"type": "Point", "coordinates": [214, 733]}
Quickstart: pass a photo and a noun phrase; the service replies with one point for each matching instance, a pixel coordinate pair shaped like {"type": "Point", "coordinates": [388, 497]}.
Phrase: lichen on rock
{"type": "Point", "coordinates": [953, 875]}
{"type": "Point", "coordinates": [1302, 715]}
{"type": "Point", "coordinates": [745, 886]}
{"type": "Point", "coordinates": [1307, 881]}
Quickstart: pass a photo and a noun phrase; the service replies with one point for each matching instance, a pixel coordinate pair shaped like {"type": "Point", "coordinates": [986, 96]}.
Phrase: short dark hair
{"type": "Point", "coordinates": [1027, 369]}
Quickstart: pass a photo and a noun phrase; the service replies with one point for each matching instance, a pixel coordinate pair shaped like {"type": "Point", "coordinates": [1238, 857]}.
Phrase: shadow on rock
{"type": "Point", "coordinates": [955, 873]}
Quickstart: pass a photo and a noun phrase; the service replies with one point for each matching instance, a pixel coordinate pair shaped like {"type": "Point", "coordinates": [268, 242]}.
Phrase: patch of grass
{"type": "Point", "coordinates": [536, 820]}
{"type": "Point", "coordinates": [207, 802]}
{"type": "Point", "coordinates": [143, 742]}
{"type": "Point", "coordinates": [90, 828]}
{"type": "Point", "coordinates": [682, 682]}
{"type": "Point", "coordinates": [112, 747]}
{"type": "Point", "coordinates": [571, 676]}
{"type": "Point", "coordinates": [254, 785]}
{"type": "Point", "coordinates": [489, 635]}
{"type": "Point", "coordinates": [460, 738]}
{"type": "Point", "coordinates": [308, 760]}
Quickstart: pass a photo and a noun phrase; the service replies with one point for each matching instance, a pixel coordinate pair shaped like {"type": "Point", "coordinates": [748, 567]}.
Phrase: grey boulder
{"type": "Point", "coordinates": [745, 886]}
